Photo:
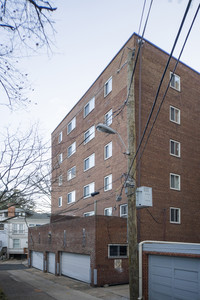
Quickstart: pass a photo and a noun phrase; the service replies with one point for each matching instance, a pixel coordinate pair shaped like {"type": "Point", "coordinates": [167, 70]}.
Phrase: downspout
{"type": "Point", "coordinates": [140, 259]}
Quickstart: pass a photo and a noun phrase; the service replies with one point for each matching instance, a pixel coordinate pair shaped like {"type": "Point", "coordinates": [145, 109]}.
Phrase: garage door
{"type": "Point", "coordinates": [76, 266]}
{"type": "Point", "coordinates": [37, 260]}
{"type": "Point", "coordinates": [51, 262]}
{"type": "Point", "coordinates": [174, 278]}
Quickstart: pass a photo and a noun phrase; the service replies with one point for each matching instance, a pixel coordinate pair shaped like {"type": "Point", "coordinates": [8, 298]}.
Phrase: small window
{"type": "Point", "coordinates": [108, 211]}
{"type": "Point", "coordinates": [15, 228]}
{"type": "Point", "coordinates": [60, 180]}
{"type": "Point", "coordinates": [108, 118]}
{"type": "Point", "coordinates": [175, 182]}
{"type": "Point", "coordinates": [71, 173]}
{"type": "Point", "coordinates": [175, 82]}
{"type": "Point", "coordinates": [60, 137]}
{"type": "Point", "coordinates": [88, 214]}
{"type": "Point", "coordinates": [71, 149]}
{"type": "Point", "coordinates": [1, 226]}
{"type": "Point", "coordinates": [89, 107]}
{"type": "Point", "coordinates": [89, 162]}
{"type": "Point", "coordinates": [175, 148]}
{"type": "Point", "coordinates": [108, 87]}
{"type": "Point", "coordinates": [60, 158]}
{"type": "Point", "coordinates": [108, 183]}
{"type": "Point", "coordinates": [117, 251]}
{"type": "Point", "coordinates": [88, 189]}
{"type": "Point", "coordinates": [59, 201]}
{"type": "Point", "coordinates": [21, 228]}
{"type": "Point", "coordinates": [175, 215]}
{"type": "Point", "coordinates": [16, 243]}
{"type": "Point", "coordinates": [71, 197]}
{"type": "Point", "coordinates": [108, 151]}
{"type": "Point", "coordinates": [124, 210]}
{"type": "Point", "coordinates": [175, 115]}
{"type": "Point", "coordinates": [89, 134]}
{"type": "Point", "coordinates": [71, 125]}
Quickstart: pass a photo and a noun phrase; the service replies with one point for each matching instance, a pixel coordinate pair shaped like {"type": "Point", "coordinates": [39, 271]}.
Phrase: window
{"type": "Point", "coordinates": [18, 228]}
{"type": "Point", "coordinates": [59, 201]}
{"type": "Point", "coordinates": [1, 226]}
{"type": "Point", "coordinates": [108, 151]}
{"type": "Point", "coordinates": [108, 211]}
{"type": "Point", "coordinates": [175, 82]}
{"type": "Point", "coordinates": [89, 162]}
{"type": "Point", "coordinates": [89, 107]}
{"type": "Point", "coordinates": [108, 118]}
{"type": "Point", "coordinates": [71, 197]}
{"type": "Point", "coordinates": [60, 180]}
{"type": "Point", "coordinates": [71, 125]}
{"type": "Point", "coordinates": [108, 183]}
{"type": "Point", "coordinates": [174, 115]}
{"type": "Point", "coordinates": [71, 149]}
{"type": "Point", "coordinates": [60, 137]}
{"type": "Point", "coordinates": [88, 189]}
{"type": "Point", "coordinates": [89, 134]}
{"type": "Point", "coordinates": [88, 214]}
{"type": "Point", "coordinates": [71, 173]}
{"type": "Point", "coordinates": [115, 251]}
{"type": "Point", "coordinates": [16, 243]}
{"type": "Point", "coordinates": [175, 148]}
{"type": "Point", "coordinates": [175, 183]}
{"type": "Point", "coordinates": [60, 158]}
{"type": "Point", "coordinates": [175, 215]}
{"type": "Point", "coordinates": [123, 210]}
{"type": "Point", "coordinates": [108, 87]}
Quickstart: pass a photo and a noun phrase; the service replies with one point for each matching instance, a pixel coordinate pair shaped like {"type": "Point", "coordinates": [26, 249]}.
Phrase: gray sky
{"type": "Point", "coordinates": [89, 34]}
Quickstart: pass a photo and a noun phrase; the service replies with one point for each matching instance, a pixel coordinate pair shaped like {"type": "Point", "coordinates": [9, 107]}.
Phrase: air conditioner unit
{"type": "Point", "coordinates": [144, 197]}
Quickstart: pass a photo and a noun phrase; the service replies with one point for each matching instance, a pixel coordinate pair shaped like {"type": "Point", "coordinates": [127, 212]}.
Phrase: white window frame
{"type": "Point", "coordinates": [108, 118]}
{"type": "Point", "coordinates": [118, 250]}
{"type": "Point", "coordinates": [91, 187]}
{"type": "Point", "coordinates": [123, 215]}
{"type": "Point", "coordinates": [16, 245]}
{"type": "Point", "coordinates": [71, 197]}
{"type": "Point", "coordinates": [71, 173]}
{"type": "Point", "coordinates": [60, 137]}
{"type": "Point", "coordinates": [71, 125]}
{"type": "Point", "coordinates": [177, 112]}
{"type": "Point", "coordinates": [108, 150]}
{"type": "Point", "coordinates": [175, 176]}
{"type": "Point", "coordinates": [91, 162]}
{"type": "Point", "coordinates": [108, 211]}
{"type": "Point", "coordinates": [177, 148]}
{"type": "Point", "coordinates": [89, 213]}
{"type": "Point", "coordinates": [73, 147]}
{"type": "Point", "coordinates": [89, 134]}
{"type": "Point", "coordinates": [108, 185]}
{"type": "Point", "coordinates": [175, 81]}
{"type": "Point", "coordinates": [178, 215]}
{"type": "Point", "coordinates": [60, 180]}
{"type": "Point", "coordinates": [90, 105]}
{"type": "Point", "coordinates": [108, 87]}
{"type": "Point", "coordinates": [60, 201]}
{"type": "Point", "coordinates": [60, 158]}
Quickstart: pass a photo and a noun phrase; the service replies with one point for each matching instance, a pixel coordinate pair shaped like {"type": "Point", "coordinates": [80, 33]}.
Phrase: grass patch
{"type": "Point", "coordinates": [2, 295]}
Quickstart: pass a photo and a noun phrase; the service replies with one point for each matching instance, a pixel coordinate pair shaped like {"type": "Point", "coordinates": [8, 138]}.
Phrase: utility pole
{"type": "Point", "coordinates": [131, 191]}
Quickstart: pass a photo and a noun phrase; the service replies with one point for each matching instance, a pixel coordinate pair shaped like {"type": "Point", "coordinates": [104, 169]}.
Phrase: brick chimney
{"type": "Point", "coordinates": [11, 211]}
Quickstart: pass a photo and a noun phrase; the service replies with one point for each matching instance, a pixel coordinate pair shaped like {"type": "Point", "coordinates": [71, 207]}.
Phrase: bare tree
{"type": "Point", "coordinates": [25, 25]}
{"type": "Point", "coordinates": [25, 169]}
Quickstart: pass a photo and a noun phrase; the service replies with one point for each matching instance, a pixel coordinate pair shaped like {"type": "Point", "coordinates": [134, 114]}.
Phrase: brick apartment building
{"type": "Point", "coordinates": [85, 160]}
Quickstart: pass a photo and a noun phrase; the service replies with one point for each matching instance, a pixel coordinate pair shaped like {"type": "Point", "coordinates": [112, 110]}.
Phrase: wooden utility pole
{"type": "Point", "coordinates": [131, 191]}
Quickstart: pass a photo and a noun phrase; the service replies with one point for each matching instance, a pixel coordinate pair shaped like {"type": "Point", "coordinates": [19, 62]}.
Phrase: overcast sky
{"type": "Point", "coordinates": [89, 34]}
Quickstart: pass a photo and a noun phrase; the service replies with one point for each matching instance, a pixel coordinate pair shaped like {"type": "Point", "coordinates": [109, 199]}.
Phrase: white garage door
{"type": "Point", "coordinates": [76, 266]}
{"type": "Point", "coordinates": [51, 262]}
{"type": "Point", "coordinates": [174, 278]}
{"type": "Point", "coordinates": [37, 260]}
